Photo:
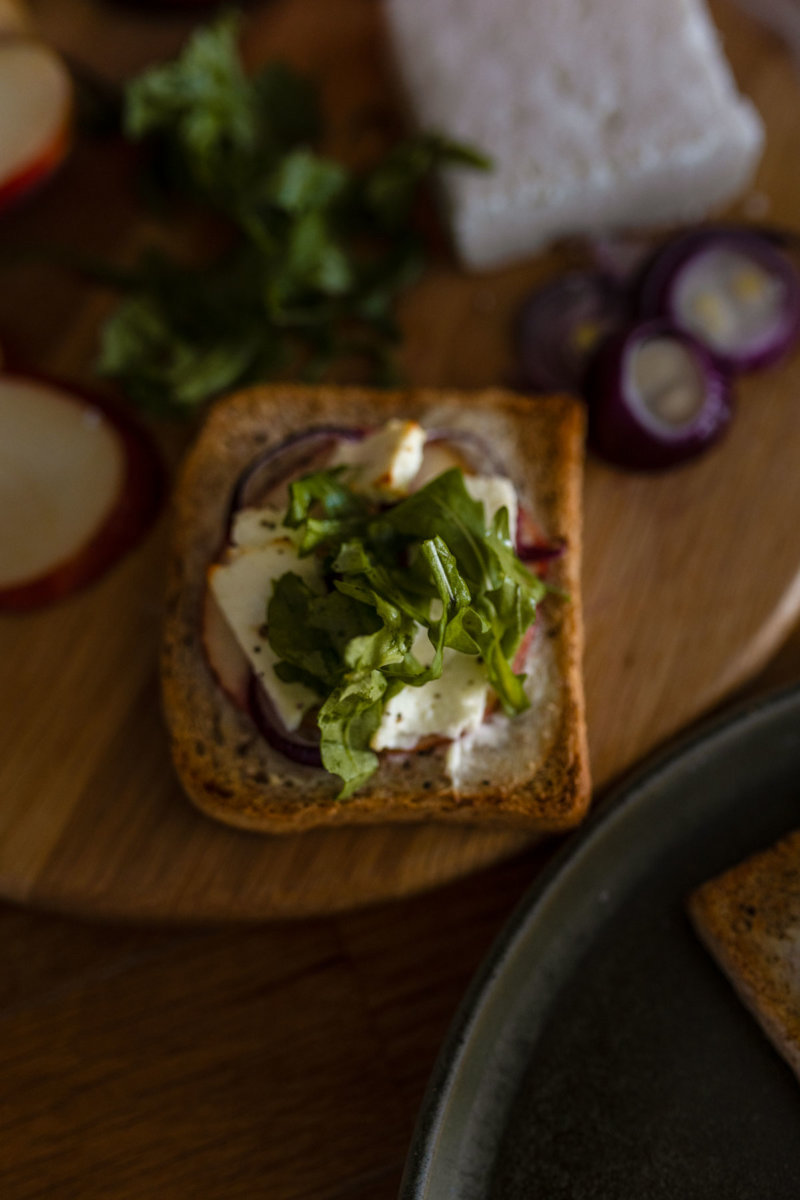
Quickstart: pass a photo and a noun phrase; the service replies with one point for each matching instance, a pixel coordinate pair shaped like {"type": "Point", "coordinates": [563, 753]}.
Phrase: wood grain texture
{"type": "Point", "coordinates": [284, 1062]}
{"type": "Point", "coordinates": [691, 579]}
{"type": "Point", "coordinates": [287, 1061]}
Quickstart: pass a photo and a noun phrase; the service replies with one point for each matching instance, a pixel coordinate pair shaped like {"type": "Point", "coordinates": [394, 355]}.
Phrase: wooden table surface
{"type": "Point", "coordinates": [282, 1060]}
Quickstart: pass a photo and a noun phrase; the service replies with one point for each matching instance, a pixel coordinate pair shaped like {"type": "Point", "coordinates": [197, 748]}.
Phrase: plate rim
{"type": "Point", "coordinates": [706, 739]}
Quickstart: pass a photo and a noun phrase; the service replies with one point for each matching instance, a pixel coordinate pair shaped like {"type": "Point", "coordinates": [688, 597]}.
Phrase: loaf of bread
{"type": "Point", "coordinates": [749, 918]}
{"type": "Point", "coordinates": [530, 770]}
{"type": "Point", "coordinates": [599, 116]}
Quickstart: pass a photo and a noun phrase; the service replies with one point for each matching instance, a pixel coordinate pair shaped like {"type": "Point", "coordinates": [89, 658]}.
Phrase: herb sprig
{"type": "Point", "coordinates": [429, 561]}
{"type": "Point", "coordinates": [317, 252]}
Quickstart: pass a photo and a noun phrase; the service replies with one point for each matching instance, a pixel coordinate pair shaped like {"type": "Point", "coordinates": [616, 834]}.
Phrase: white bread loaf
{"type": "Point", "coordinates": [599, 115]}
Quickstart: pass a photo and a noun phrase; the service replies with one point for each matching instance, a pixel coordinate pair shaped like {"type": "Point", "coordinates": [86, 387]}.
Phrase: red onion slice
{"type": "Point", "coordinates": [730, 288]}
{"type": "Point", "coordinates": [562, 323]}
{"type": "Point", "coordinates": [656, 398]}
{"type": "Point", "coordinates": [280, 463]}
{"type": "Point", "coordinates": [532, 544]}
{"type": "Point", "coordinates": [540, 552]}
{"type": "Point", "coordinates": [292, 744]}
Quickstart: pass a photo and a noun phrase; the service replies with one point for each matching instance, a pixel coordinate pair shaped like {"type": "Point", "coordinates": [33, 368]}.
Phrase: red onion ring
{"type": "Point", "coordinates": [624, 431]}
{"type": "Point", "coordinates": [540, 552]}
{"type": "Point", "coordinates": [561, 323]}
{"type": "Point", "coordinates": [278, 463]}
{"type": "Point", "coordinates": [660, 288]}
{"type": "Point", "coordinates": [291, 744]}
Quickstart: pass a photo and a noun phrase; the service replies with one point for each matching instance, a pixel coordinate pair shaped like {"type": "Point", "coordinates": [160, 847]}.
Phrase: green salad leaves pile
{"type": "Point", "coordinates": [428, 561]}
{"type": "Point", "coordinates": [315, 252]}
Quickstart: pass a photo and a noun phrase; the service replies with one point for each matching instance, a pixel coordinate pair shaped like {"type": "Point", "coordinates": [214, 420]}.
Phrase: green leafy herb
{"type": "Point", "coordinates": [428, 561]}
{"type": "Point", "coordinates": [316, 253]}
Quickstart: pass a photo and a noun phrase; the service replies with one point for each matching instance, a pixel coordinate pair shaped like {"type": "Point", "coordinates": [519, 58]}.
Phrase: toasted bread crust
{"type": "Point", "coordinates": [749, 919]}
{"type": "Point", "coordinates": [538, 779]}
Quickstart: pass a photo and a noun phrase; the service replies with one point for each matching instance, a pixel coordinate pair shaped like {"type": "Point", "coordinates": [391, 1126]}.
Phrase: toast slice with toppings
{"type": "Point", "coordinates": [528, 770]}
{"type": "Point", "coordinates": [749, 919]}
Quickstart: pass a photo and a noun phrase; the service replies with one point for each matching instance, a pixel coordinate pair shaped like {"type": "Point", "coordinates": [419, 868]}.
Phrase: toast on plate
{"type": "Point", "coordinates": [529, 770]}
{"type": "Point", "coordinates": [749, 919]}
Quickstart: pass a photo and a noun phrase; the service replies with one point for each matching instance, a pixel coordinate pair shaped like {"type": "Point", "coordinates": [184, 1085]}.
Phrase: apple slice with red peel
{"type": "Point", "coordinates": [79, 486]}
{"type": "Point", "coordinates": [223, 653]}
{"type": "Point", "coordinates": [36, 106]}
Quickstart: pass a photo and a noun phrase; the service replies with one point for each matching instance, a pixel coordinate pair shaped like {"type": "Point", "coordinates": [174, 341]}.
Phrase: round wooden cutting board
{"type": "Point", "coordinates": [691, 579]}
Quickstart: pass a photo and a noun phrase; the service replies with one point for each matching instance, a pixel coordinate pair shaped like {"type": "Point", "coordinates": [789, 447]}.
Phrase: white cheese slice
{"type": "Point", "coordinates": [494, 492]}
{"type": "Point", "coordinates": [242, 588]}
{"type": "Point", "coordinates": [259, 527]}
{"type": "Point", "coordinates": [596, 115]}
{"type": "Point", "coordinates": [448, 707]}
{"type": "Point", "coordinates": [383, 463]}
{"type": "Point", "coordinates": [437, 457]}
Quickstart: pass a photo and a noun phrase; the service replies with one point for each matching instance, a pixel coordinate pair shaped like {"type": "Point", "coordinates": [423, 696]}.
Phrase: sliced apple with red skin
{"type": "Point", "coordinates": [79, 486]}
{"type": "Point", "coordinates": [223, 653]}
{"type": "Point", "coordinates": [36, 109]}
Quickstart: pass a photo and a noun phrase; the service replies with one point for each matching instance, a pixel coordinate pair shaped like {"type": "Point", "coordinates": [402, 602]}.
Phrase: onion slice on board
{"type": "Point", "coordinates": [560, 324]}
{"type": "Point", "coordinates": [732, 289]}
{"type": "Point", "coordinates": [79, 486]}
{"type": "Point", "coordinates": [36, 109]}
{"type": "Point", "coordinates": [656, 398]}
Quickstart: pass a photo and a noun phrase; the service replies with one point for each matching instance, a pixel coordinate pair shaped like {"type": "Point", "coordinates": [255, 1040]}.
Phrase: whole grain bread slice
{"type": "Point", "coordinates": [532, 773]}
{"type": "Point", "coordinates": [749, 918]}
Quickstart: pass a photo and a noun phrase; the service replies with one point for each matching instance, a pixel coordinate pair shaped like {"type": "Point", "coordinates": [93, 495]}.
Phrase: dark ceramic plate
{"type": "Point", "coordinates": [601, 1054]}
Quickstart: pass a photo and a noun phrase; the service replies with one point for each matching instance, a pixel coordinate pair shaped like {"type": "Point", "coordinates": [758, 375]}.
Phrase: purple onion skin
{"type": "Point", "coordinates": [276, 464]}
{"type": "Point", "coordinates": [549, 358]}
{"type": "Point", "coordinates": [656, 293]}
{"type": "Point", "coordinates": [615, 432]}
{"type": "Point", "coordinates": [291, 745]}
{"type": "Point", "coordinates": [540, 552]}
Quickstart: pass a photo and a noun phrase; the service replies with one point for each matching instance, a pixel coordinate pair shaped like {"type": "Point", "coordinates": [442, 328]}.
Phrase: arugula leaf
{"type": "Point", "coordinates": [287, 105]}
{"type": "Point", "coordinates": [290, 607]}
{"type": "Point", "coordinates": [202, 105]}
{"type": "Point", "coordinates": [305, 182]}
{"type": "Point", "coordinates": [430, 561]}
{"type": "Point", "coordinates": [330, 622]}
{"type": "Point", "coordinates": [317, 252]}
{"type": "Point", "coordinates": [325, 490]}
{"type": "Point", "coordinates": [348, 720]}
{"type": "Point", "coordinates": [391, 185]}
{"type": "Point", "coordinates": [170, 361]}
{"type": "Point", "coordinates": [445, 508]}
